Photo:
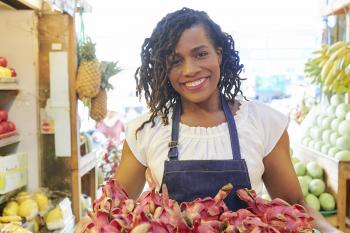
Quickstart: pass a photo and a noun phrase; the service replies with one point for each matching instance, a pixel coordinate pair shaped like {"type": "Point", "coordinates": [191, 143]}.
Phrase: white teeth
{"type": "Point", "coordinates": [194, 83]}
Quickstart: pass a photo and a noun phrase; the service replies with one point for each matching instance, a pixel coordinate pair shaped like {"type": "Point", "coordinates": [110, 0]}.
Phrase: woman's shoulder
{"type": "Point", "coordinates": [136, 122]}
{"type": "Point", "coordinates": [257, 108]}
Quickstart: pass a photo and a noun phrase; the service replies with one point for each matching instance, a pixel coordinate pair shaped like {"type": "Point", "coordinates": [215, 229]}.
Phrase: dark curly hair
{"type": "Point", "coordinates": [152, 76]}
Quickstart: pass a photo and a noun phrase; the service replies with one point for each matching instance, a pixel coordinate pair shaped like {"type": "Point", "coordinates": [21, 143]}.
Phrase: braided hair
{"type": "Point", "coordinates": [152, 76]}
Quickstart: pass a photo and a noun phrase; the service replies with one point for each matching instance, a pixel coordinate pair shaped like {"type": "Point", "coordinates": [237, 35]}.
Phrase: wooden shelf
{"type": "Point", "coordinates": [24, 4]}
{"type": "Point", "coordinates": [9, 140]}
{"type": "Point", "coordinates": [337, 7]}
{"type": "Point", "coordinates": [87, 163]}
{"type": "Point", "coordinates": [9, 86]}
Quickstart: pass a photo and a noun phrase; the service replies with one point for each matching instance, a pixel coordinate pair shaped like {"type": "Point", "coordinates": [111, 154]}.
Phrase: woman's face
{"type": "Point", "coordinates": [195, 71]}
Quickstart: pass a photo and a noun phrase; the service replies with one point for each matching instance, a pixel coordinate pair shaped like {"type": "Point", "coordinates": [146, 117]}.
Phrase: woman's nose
{"type": "Point", "coordinates": [190, 68]}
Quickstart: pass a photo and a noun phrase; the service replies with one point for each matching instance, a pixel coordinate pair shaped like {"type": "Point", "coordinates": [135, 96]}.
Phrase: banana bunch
{"type": "Point", "coordinates": [333, 67]}
{"type": "Point", "coordinates": [313, 66]}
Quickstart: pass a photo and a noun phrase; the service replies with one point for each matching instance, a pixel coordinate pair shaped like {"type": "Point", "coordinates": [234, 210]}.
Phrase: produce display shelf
{"type": "Point", "coordinates": [87, 162]}
{"type": "Point", "coordinates": [8, 85]}
{"type": "Point", "coordinates": [6, 197]}
{"type": "Point", "coordinates": [337, 177]}
{"type": "Point", "coordinates": [336, 7]}
{"type": "Point", "coordinates": [14, 138]}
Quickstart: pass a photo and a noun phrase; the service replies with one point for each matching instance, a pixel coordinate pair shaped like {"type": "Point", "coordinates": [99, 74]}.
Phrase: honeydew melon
{"type": "Point", "coordinates": [331, 111]}
{"type": "Point", "coordinates": [344, 128]}
{"type": "Point", "coordinates": [343, 142]}
{"type": "Point", "coordinates": [325, 148]}
{"type": "Point", "coordinates": [306, 140]}
{"type": "Point", "coordinates": [326, 122]}
{"type": "Point", "coordinates": [333, 151]}
{"type": "Point", "coordinates": [343, 155]}
{"type": "Point", "coordinates": [316, 133]}
{"type": "Point", "coordinates": [303, 185]}
{"type": "Point", "coordinates": [341, 110]}
{"type": "Point", "coordinates": [319, 120]}
{"type": "Point", "coordinates": [333, 138]}
{"type": "Point", "coordinates": [327, 201]}
{"type": "Point", "coordinates": [300, 168]}
{"type": "Point", "coordinates": [314, 169]}
{"type": "Point", "coordinates": [318, 145]}
{"type": "Point", "coordinates": [317, 186]}
{"type": "Point", "coordinates": [347, 116]}
{"type": "Point", "coordinates": [326, 135]}
{"type": "Point", "coordinates": [313, 201]}
{"type": "Point", "coordinates": [337, 99]}
{"type": "Point", "coordinates": [335, 123]}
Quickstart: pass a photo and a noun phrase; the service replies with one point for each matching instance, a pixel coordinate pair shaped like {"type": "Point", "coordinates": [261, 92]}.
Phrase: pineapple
{"type": "Point", "coordinates": [88, 77]}
{"type": "Point", "coordinates": [98, 110]}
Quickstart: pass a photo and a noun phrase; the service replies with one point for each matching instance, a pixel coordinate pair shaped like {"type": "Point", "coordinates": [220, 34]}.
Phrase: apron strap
{"type": "Point", "coordinates": [173, 151]}
{"type": "Point", "coordinates": [232, 128]}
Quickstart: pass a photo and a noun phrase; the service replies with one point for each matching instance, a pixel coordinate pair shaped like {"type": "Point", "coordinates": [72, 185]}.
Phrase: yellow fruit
{"type": "Point", "coordinates": [36, 225]}
{"type": "Point", "coordinates": [98, 109]}
{"type": "Point", "coordinates": [54, 215]}
{"type": "Point", "coordinates": [42, 201]}
{"type": "Point", "coordinates": [54, 219]}
{"type": "Point", "coordinates": [11, 209]}
{"type": "Point", "coordinates": [88, 79]}
{"type": "Point", "coordinates": [22, 196]}
{"type": "Point", "coordinates": [28, 209]}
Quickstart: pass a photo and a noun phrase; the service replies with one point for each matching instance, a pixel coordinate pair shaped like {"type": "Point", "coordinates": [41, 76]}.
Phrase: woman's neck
{"type": "Point", "coordinates": [205, 114]}
{"type": "Point", "coordinates": [211, 105]}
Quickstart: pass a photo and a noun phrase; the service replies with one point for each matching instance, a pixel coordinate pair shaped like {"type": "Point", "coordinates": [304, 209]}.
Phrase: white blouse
{"type": "Point", "coordinates": [259, 128]}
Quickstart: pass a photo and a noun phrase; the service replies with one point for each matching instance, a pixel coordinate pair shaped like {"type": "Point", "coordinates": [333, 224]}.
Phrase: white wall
{"type": "Point", "coordinates": [19, 44]}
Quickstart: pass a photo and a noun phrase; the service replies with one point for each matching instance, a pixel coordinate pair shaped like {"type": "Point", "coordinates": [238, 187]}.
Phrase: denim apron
{"type": "Point", "coordinates": [187, 180]}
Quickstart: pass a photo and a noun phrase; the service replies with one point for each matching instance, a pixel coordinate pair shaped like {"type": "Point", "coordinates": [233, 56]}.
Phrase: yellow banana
{"type": "Point", "coordinates": [7, 219]}
{"type": "Point", "coordinates": [331, 81]}
{"type": "Point", "coordinates": [337, 45]}
{"type": "Point", "coordinates": [327, 69]}
{"type": "Point", "coordinates": [339, 53]}
{"type": "Point", "coordinates": [335, 83]}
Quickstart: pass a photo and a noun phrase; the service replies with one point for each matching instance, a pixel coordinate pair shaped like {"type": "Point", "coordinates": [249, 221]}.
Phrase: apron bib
{"type": "Point", "coordinates": [187, 180]}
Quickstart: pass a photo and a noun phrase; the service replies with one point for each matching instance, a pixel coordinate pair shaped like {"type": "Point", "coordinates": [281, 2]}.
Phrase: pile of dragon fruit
{"type": "Point", "coordinates": [155, 213]}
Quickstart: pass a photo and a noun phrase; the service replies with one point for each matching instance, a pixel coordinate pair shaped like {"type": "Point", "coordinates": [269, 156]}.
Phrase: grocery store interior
{"type": "Point", "coordinates": [68, 95]}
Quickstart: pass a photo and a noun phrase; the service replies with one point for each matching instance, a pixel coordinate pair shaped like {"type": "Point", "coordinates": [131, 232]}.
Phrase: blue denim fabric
{"type": "Point", "coordinates": [187, 180]}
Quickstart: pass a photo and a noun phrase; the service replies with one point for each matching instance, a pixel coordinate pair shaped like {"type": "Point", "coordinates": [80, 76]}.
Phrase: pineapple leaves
{"type": "Point", "coordinates": [108, 69]}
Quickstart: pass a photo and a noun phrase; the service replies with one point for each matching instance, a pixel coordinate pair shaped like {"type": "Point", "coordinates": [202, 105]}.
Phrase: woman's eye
{"type": "Point", "coordinates": [176, 61]}
{"type": "Point", "coordinates": [202, 54]}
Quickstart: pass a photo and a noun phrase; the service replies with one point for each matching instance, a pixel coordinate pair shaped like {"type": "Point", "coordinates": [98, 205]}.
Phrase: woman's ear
{"type": "Point", "coordinates": [219, 53]}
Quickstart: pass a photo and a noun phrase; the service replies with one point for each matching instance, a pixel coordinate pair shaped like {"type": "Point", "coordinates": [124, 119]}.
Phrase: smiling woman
{"type": "Point", "coordinates": [200, 132]}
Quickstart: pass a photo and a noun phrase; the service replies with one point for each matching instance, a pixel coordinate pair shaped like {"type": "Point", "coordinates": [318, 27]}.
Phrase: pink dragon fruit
{"type": "Point", "coordinates": [278, 213]}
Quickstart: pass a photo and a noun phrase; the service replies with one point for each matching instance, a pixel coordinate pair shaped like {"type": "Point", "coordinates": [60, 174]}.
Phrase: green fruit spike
{"type": "Point", "coordinates": [108, 70]}
{"type": "Point", "coordinates": [87, 51]}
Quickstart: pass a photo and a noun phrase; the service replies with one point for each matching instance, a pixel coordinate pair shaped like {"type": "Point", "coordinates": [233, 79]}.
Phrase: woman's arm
{"type": "Point", "coordinates": [281, 181]}
{"type": "Point", "coordinates": [130, 173]}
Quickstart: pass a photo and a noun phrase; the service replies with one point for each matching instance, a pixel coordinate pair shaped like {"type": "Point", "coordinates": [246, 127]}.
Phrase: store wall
{"type": "Point", "coordinates": [19, 44]}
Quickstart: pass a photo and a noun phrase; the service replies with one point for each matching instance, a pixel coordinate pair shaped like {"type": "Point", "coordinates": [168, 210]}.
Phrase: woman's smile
{"type": "Point", "coordinates": [196, 84]}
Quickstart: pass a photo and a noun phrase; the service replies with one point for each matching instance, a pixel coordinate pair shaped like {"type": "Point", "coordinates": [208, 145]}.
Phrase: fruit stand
{"type": "Point", "coordinates": [29, 109]}
{"type": "Point", "coordinates": [326, 132]}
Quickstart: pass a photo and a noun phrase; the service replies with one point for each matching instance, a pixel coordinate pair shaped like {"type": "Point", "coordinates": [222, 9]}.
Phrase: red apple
{"type": "Point", "coordinates": [3, 115]}
{"type": "Point", "coordinates": [3, 62]}
{"type": "Point", "coordinates": [13, 72]}
{"type": "Point", "coordinates": [11, 126]}
{"type": "Point", "coordinates": [5, 126]}
{"type": "Point", "coordinates": [2, 129]}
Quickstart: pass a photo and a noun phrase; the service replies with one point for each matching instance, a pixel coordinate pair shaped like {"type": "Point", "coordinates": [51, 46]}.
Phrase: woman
{"type": "Point", "coordinates": [198, 135]}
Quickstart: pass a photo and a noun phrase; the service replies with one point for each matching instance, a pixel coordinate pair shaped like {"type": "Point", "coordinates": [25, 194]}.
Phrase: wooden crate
{"type": "Point", "coordinates": [337, 178]}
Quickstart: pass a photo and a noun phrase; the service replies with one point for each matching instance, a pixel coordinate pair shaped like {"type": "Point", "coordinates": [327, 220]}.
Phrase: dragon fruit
{"type": "Point", "coordinates": [155, 212]}
{"type": "Point", "coordinates": [278, 213]}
